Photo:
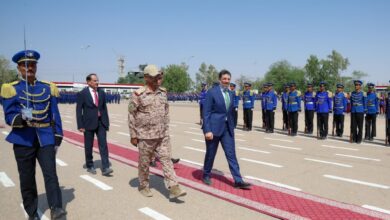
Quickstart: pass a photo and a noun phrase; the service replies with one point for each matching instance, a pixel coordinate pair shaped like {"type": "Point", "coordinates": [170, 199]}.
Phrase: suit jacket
{"type": "Point", "coordinates": [87, 112]}
{"type": "Point", "coordinates": [215, 115]}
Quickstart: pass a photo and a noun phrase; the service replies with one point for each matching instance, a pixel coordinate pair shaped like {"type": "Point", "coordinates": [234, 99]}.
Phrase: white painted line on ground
{"type": "Point", "coordinates": [376, 209]}
{"type": "Point", "coordinates": [363, 158]}
{"type": "Point", "coordinates": [262, 163]}
{"type": "Point", "coordinates": [69, 122]}
{"type": "Point", "coordinates": [254, 150]}
{"type": "Point", "coordinates": [274, 183]}
{"type": "Point", "coordinates": [67, 116]}
{"type": "Point", "coordinates": [198, 140]}
{"type": "Point", "coordinates": [239, 134]}
{"type": "Point", "coordinates": [285, 147]}
{"type": "Point", "coordinates": [5, 180]}
{"type": "Point", "coordinates": [328, 162]}
{"type": "Point", "coordinates": [184, 123]}
{"type": "Point", "coordinates": [357, 181]}
{"type": "Point", "coordinates": [96, 182]}
{"type": "Point", "coordinates": [342, 148]}
{"type": "Point", "coordinates": [189, 132]}
{"type": "Point", "coordinates": [61, 163]}
{"type": "Point", "coordinates": [153, 214]}
{"type": "Point", "coordinates": [172, 125]}
{"type": "Point", "coordinates": [123, 133]}
{"type": "Point", "coordinates": [275, 139]}
{"type": "Point", "coordinates": [367, 144]}
{"type": "Point", "coordinates": [116, 114]}
{"type": "Point", "coordinates": [240, 140]}
{"type": "Point", "coordinates": [40, 214]}
{"type": "Point", "coordinates": [195, 149]}
{"type": "Point", "coordinates": [304, 137]}
{"type": "Point", "coordinates": [192, 128]}
{"type": "Point", "coordinates": [191, 162]}
{"type": "Point", "coordinates": [115, 125]}
{"type": "Point", "coordinates": [5, 132]}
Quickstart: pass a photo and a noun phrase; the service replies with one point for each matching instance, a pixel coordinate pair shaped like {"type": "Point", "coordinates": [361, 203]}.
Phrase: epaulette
{"type": "Point", "coordinates": [378, 95]}
{"type": "Point", "coordinates": [330, 94]}
{"type": "Point", "coordinates": [139, 91]}
{"type": "Point", "coordinates": [314, 93]}
{"type": "Point", "coordinates": [251, 92]}
{"type": "Point", "coordinates": [299, 93]}
{"type": "Point", "coordinates": [364, 93]}
{"type": "Point", "coordinates": [8, 90]}
{"type": "Point", "coordinates": [163, 89]}
{"type": "Point", "coordinates": [53, 88]}
{"type": "Point", "coordinates": [237, 93]}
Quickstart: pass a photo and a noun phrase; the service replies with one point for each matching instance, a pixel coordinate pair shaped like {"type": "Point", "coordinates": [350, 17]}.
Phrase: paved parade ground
{"type": "Point", "coordinates": [293, 177]}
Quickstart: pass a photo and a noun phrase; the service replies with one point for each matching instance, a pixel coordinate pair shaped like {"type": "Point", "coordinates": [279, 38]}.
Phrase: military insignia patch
{"type": "Point", "coordinates": [131, 107]}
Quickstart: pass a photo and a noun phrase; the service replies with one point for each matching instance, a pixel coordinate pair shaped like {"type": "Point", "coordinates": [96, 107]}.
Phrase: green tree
{"type": "Point", "coordinates": [206, 74]}
{"type": "Point", "coordinates": [6, 73]}
{"type": "Point", "coordinates": [131, 78]}
{"type": "Point", "coordinates": [176, 78]}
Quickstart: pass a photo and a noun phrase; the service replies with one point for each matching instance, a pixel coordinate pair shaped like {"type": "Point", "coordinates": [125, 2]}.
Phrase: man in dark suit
{"type": "Point", "coordinates": [218, 126]}
{"type": "Point", "coordinates": [92, 118]}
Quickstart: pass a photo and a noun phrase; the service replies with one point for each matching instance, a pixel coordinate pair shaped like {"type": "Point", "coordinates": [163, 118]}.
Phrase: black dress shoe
{"type": "Point", "coordinates": [91, 170]}
{"type": "Point", "coordinates": [34, 217]}
{"type": "Point", "coordinates": [242, 185]}
{"type": "Point", "coordinates": [175, 160]}
{"type": "Point", "coordinates": [207, 181]}
{"type": "Point", "coordinates": [107, 171]}
{"type": "Point", "coordinates": [57, 213]}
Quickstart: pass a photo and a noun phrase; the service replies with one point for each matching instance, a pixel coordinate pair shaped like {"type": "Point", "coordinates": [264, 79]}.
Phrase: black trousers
{"type": "Point", "coordinates": [248, 117]}
{"type": "Point", "coordinates": [285, 119]}
{"type": "Point", "coordinates": [101, 134]}
{"type": "Point", "coordinates": [201, 112]}
{"type": "Point", "coordinates": [322, 119]}
{"type": "Point", "coordinates": [235, 116]}
{"type": "Point", "coordinates": [388, 131]}
{"type": "Point", "coordinates": [339, 124]}
{"type": "Point", "coordinates": [270, 120]}
{"type": "Point", "coordinates": [293, 122]}
{"type": "Point", "coordinates": [309, 115]}
{"type": "Point", "coordinates": [263, 118]}
{"type": "Point", "coordinates": [357, 127]}
{"type": "Point", "coordinates": [26, 158]}
{"type": "Point", "coordinates": [370, 126]}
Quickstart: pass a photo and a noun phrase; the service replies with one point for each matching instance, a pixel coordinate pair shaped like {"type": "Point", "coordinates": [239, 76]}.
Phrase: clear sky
{"type": "Point", "coordinates": [245, 37]}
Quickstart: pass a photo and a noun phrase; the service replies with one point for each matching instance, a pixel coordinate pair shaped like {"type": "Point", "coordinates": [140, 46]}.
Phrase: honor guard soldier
{"type": "Point", "coordinates": [202, 98]}
{"type": "Point", "coordinates": [236, 102]}
{"type": "Point", "coordinates": [309, 103]}
{"type": "Point", "coordinates": [263, 106]}
{"type": "Point", "coordinates": [293, 107]}
{"type": "Point", "coordinates": [339, 107]}
{"type": "Point", "coordinates": [248, 103]}
{"type": "Point", "coordinates": [149, 131]}
{"type": "Point", "coordinates": [30, 108]}
{"type": "Point", "coordinates": [358, 108]}
{"type": "Point", "coordinates": [270, 106]}
{"type": "Point", "coordinates": [372, 112]}
{"type": "Point", "coordinates": [284, 100]}
{"type": "Point", "coordinates": [323, 108]}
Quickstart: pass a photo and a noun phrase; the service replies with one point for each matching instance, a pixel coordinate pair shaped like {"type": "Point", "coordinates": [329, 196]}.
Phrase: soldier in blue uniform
{"type": "Point", "coordinates": [248, 103]}
{"type": "Point", "coordinates": [293, 107]}
{"type": "Point", "coordinates": [339, 107]}
{"type": "Point", "coordinates": [202, 98]}
{"type": "Point", "coordinates": [309, 103]}
{"type": "Point", "coordinates": [270, 106]}
{"type": "Point", "coordinates": [372, 112]}
{"type": "Point", "coordinates": [236, 101]}
{"type": "Point", "coordinates": [284, 100]}
{"type": "Point", "coordinates": [323, 108]}
{"type": "Point", "coordinates": [263, 107]}
{"type": "Point", "coordinates": [36, 134]}
{"type": "Point", "coordinates": [358, 108]}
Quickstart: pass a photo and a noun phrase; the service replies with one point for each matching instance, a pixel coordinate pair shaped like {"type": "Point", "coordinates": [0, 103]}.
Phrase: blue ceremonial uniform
{"type": "Point", "coordinates": [358, 108]}
{"type": "Point", "coordinates": [310, 107]}
{"type": "Point", "coordinates": [270, 100]}
{"type": "Point", "coordinates": [372, 111]}
{"type": "Point", "coordinates": [323, 107]}
{"type": "Point", "coordinates": [372, 103]}
{"type": "Point", "coordinates": [339, 103]}
{"type": "Point", "coordinates": [309, 100]}
{"type": "Point", "coordinates": [293, 106]}
{"type": "Point", "coordinates": [202, 99]}
{"type": "Point", "coordinates": [270, 105]}
{"type": "Point", "coordinates": [284, 100]}
{"type": "Point", "coordinates": [46, 121]}
{"type": "Point", "coordinates": [358, 102]}
{"type": "Point", "coordinates": [248, 100]}
{"type": "Point", "coordinates": [388, 117]}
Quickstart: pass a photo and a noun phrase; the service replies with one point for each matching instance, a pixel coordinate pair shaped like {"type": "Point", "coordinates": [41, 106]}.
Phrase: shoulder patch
{"type": "Point", "coordinates": [299, 93]}
{"type": "Point", "coordinates": [364, 93]}
{"type": "Point", "coordinates": [314, 93]}
{"type": "Point", "coordinates": [163, 89]}
{"type": "Point", "coordinates": [139, 91]}
{"type": "Point", "coordinates": [8, 90]}
{"type": "Point", "coordinates": [330, 94]}
{"type": "Point", "coordinates": [378, 95]}
{"type": "Point", "coordinates": [237, 93]}
{"type": "Point", "coordinates": [251, 93]}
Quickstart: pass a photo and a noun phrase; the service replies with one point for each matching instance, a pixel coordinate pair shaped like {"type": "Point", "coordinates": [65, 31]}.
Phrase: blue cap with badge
{"type": "Point", "coordinates": [26, 56]}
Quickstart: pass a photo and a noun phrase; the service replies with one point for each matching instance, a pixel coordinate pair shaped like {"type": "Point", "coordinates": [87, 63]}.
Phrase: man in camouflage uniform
{"type": "Point", "coordinates": [149, 131]}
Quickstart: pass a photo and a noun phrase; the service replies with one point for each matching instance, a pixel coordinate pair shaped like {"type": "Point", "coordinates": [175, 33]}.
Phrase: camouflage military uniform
{"type": "Point", "coordinates": [148, 122]}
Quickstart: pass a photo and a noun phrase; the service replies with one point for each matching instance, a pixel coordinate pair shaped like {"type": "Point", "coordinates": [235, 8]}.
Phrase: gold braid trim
{"type": "Point", "coordinates": [35, 95]}
{"type": "Point", "coordinates": [35, 101]}
{"type": "Point", "coordinates": [37, 112]}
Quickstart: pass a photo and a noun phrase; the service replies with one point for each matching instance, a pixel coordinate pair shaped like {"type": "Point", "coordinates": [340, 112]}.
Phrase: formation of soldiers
{"type": "Point", "coordinates": [363, 106]}
{"type": "Point", "coordinates": [71, 98]}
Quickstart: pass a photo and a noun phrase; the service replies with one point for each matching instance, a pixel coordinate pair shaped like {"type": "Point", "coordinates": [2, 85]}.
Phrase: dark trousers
{"type": "Point", "coordinates": [235, 116]}
{"type": "Point", "coordinates": [228, 146]}
{"type": "Point", "coordinates": [339, 124]}
{"type": "Point", "coordinates": [322, 119]}
{"type": "Point", "coordinates": [388, 131]}
{"type": "Point", "coordinates": [101, 134]}
{"type": "Point", "coordinates": [201, 112]}
{"type": "Point", "coordinates": [309, 115]}
{"type": "Point", "coordinates": [270, 120]}
{"type": "Point", "coordinates": [248, 117]}
{"type": "Point", "coordinates": [263, 118]}
{"type": "Point", "coordinates": [293, 122]}
{"type": "Point", "coordinates": [370, 126]}
{"type": "Point", "coordinates": [285, 119]}
{"type": "Point", "coordinates": [357, 127]}
{"type": "Point", "coordinates": [26, 158]}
